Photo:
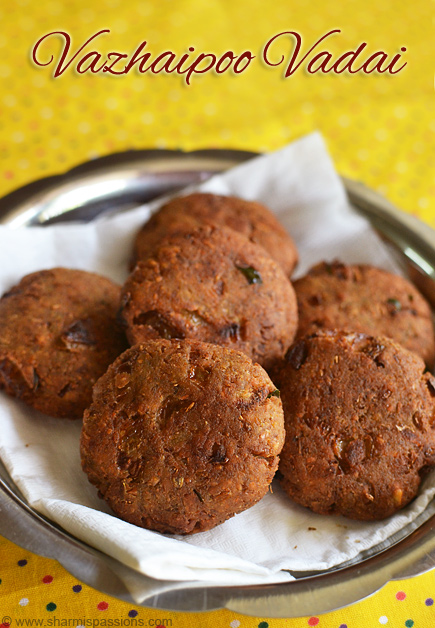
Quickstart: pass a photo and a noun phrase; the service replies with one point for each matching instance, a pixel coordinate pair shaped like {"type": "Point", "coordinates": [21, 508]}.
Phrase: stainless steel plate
{"type": "Point", "coordinates": [121, 181]}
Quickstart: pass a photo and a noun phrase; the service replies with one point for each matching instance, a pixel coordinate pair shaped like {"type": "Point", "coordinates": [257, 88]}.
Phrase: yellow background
{"type": "Point", "coordinates": [379, 129]}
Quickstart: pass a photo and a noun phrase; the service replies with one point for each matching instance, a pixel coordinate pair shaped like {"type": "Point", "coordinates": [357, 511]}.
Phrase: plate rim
{"type": "Point", "coordinates": [250, 600]}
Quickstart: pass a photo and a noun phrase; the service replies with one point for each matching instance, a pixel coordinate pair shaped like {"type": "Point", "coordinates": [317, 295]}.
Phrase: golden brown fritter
{"type": "Point", "coordinates": [360, 424]}
{"type": "Point", "coordinates": [368, 300]}
{"type": "Point", "coordinates": [186, 213]}
{"type": "Point", "coordinates": [182, 435]}
{"type": "Point", "coordinates": [58, 334]}
{"type": "Point", "coordinates": [212, 285]}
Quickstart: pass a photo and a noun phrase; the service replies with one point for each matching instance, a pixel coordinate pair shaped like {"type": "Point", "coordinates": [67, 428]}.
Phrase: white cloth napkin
{"type": "Point", "coordinates": [42, 454]}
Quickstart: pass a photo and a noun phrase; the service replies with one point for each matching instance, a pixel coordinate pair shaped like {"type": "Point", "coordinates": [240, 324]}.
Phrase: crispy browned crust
{"type": "Point", "coordinates": [368, 300]}
{"type": "Point", "coordinates": [359, 418]}
{"type": "Point", "coordinates": [215, 286]}
{"type": "Point", "coordinates": [58, 334]}
{"type": "Point", "coordinates": [182, 435]}
{"type": "Point", "coordinates": [186, 213]}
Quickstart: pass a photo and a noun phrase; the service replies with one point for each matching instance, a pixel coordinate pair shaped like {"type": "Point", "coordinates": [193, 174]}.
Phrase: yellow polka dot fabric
{"type": "Point", "coordinates": [379, 129]}
{"type": "Point", "coordinates": [37, 591]}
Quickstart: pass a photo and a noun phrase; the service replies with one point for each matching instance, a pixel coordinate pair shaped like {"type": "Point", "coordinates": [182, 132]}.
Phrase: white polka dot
{"type": "Point", "coordinates": [432, 125]}
{"type": "Point", "coordinates": [235, 623]}
{"type": "Point", "coordinates": [383, 619]}
{"type": "Point", "coordinates": [87, 15]}
{"type": "Point", "coordinates": [138, 86]}
{"type": "Point", "coordinates": [381, 135]}
{"type": "Point", "coordinates": [18, 137]}
{"type": "Point", "coordinates": [74, 91]}
{"type": "Point", "coordinates": [344, 121]}
{"type": "Point", "coordinates": [400, 112]}
{"type": "Point", "coordinates": [381, 86]}
{"type": "Point", "coordinates": [121, 135]}
{"type": "Point", "coordinates": [5, 71]}
{"type": "Point", "coordinates": [210, 109]}
{"type": "Point", "coordinates": [46, 113]}
{"type": "Point", "coordinates": [55, 142]}
{"type": "Point", "coordinates": [93, 154]}
{"type": "Point", "coordinates": [418, 147]}
{"type": "Point", "coordinates": [147, 117]}
{"type": "Point", "coordinates": [177, 19]}
{"type": "Point", "coordinates": [401, 167]}
{"type": "Point", "coordinates": [161, 143]}
{"type": "Point", "coordinates": [80, 626]}
{"type": "Point", "coordinates": [38, 80]}
{"type": "Point", "coordinates": [84, 127]}
{"type": "Point", "coordinates": [327, 94]}
{"type": "Point", "coordinates": [307, 108]}
{"type": "Point", "coordinates": [9, 100]}
{"type": "Point", "coordinates": [423, 203]}
{"type": "Point", "coordinates": [23, 602]}
{"type": "Point", "coordinates": [23, 164]}
{"type": "Point", "coordinates": [174, 95]}
{"type": "Point", "coordinates": [363, 154]}
{"type": "Point", "coordinates": [120, 26]}
{"type": "Point", "coordinates": [225, 134]}
{"type": "Point", "coordinates": [111, 103]}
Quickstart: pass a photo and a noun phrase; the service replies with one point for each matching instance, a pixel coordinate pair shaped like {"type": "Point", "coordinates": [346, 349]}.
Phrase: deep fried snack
{"type": "Point", "coordinates": [58, 334]}
{"type": "Point", "coordinates": [360, 424]}
{"type": "Point", "coordinates": [215, 286]}
{"type": "Point", "coordinates": [186, 213]}
{"type": "Point", "coordinates": [182, 435]}
{"type": "Point", "coordinates": [368, 300]}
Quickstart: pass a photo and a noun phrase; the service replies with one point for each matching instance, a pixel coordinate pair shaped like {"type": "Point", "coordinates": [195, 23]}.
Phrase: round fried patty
{"type": "Point", "coordinates": [58, 334]}
{"type": "Point", "coordinates": [368, 300]}
{"type": "Point", "coordinates": [215, 286]}
{"type": "Point", "coordinates": [182, 435]}
{"type": "Point", "coordinates": [360, 424]}
{"type": "Point", "coordinates": [186, 213]}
